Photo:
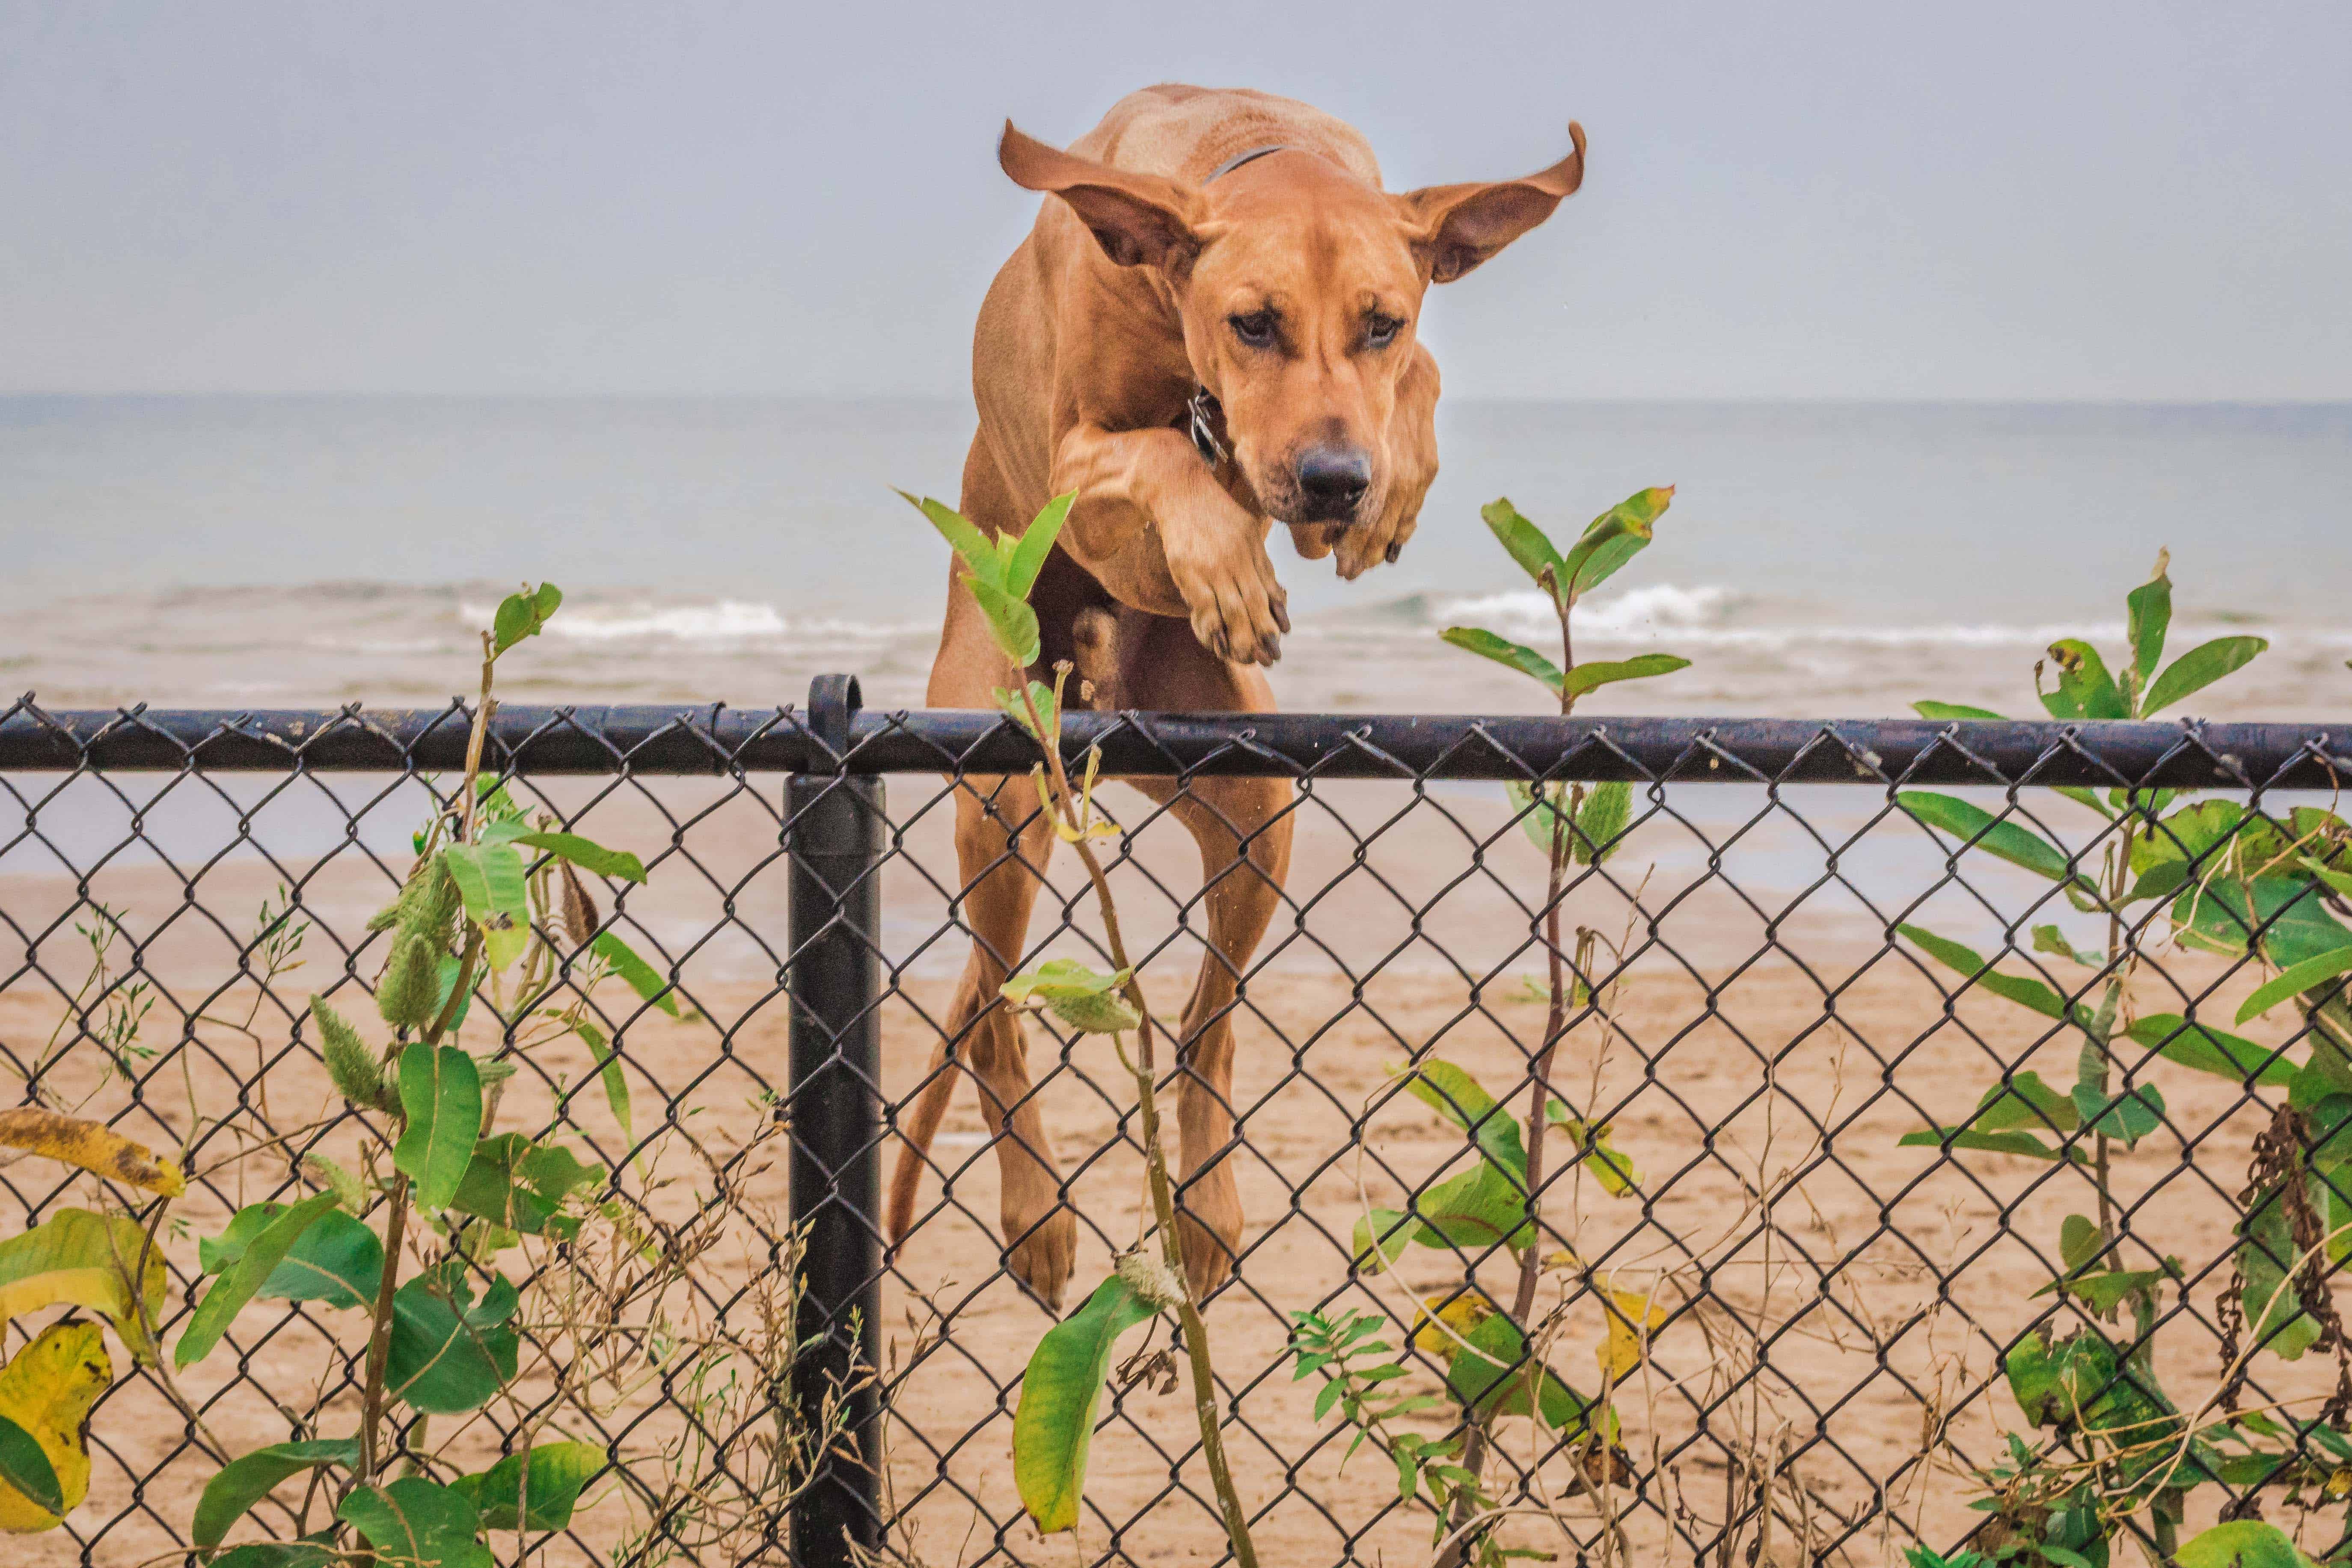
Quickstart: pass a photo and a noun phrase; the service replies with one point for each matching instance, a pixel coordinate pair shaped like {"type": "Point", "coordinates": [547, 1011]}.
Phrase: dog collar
{"type": "Point", "coordinates": [1230, 164]}
{"type": "Point", "coordinates": [1201, 411]}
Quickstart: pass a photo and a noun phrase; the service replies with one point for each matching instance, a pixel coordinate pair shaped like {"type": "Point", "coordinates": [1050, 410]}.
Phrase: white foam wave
{"type": "Point", "coordinates": [1637, 611]}
{"type": "Point", "coordinates": [726, 622]}
{"type": "Point", "coordinates": [1695, 617]}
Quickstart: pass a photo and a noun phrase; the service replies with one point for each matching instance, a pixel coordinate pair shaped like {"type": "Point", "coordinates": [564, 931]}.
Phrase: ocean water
{"type": "Point", "coordinates": [1820, 560]}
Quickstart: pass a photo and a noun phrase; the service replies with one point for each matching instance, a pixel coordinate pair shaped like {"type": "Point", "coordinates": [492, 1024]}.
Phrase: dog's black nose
{"type": "Point", "coordinates": [1333, 480]}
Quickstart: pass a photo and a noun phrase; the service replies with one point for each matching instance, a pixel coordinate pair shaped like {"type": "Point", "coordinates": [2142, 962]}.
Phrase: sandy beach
{"type": "Point", "coordinates": [1769, 1050]}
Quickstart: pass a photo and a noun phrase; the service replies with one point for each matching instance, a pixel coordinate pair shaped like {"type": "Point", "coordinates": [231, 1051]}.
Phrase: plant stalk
{"type": "Point", "coordinates": [380, 1333]}
{"type": "Point", "coordinates": [1523, 1298]}
{"type": "Point", "coordinates": [1155, 1159]}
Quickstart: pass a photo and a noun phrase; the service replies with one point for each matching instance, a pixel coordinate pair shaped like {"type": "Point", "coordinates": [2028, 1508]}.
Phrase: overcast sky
{"type": "Point", "coordinates": [2042, 199]}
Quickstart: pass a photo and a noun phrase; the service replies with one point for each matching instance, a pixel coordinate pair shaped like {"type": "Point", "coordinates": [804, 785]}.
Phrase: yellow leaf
{"type": "Point", "coordinates": [86, 1259]}
{"type": "Point", "coordinates": [1635, 1318]}
{"type": "Point", "coordinates": [91, 1146]}
{"type": "Point", "coordinates": [47, 1390]}
{"type": "Point", "coordinates": [1457, 1311]}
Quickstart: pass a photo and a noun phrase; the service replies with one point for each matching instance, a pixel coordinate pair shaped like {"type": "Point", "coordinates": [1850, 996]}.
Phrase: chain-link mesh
{"type": "Point", "coordinates": [1797, 1308]}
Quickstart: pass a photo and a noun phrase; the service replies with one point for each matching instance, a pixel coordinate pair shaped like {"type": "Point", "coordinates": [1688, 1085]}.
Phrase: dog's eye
{"type": "Point", "coordinates": [1257, 329]}
{"type": "Point", "coordinates": [1381, 331]}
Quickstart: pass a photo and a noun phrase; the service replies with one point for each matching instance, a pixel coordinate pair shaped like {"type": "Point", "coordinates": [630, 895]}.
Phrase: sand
{"type": "Point", "coordinates": [1770, 1050]}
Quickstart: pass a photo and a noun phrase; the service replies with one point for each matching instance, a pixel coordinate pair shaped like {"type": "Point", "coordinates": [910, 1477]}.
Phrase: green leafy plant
{"type": "Point", "coordinates": [1574, 824]}
{"type": "Point", "coordinates": [1053, 1425]}
{"type": "Point", "coordinates": [498, 918]}
{"type": "Point", "coordinates": [1490, 1360]}
{"type": "Point", "coordinates": [2217, 877]}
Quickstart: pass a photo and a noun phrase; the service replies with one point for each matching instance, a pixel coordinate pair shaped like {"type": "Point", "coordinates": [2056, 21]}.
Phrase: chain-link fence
{"type": "Point", "coordinates": [1908, 1184]}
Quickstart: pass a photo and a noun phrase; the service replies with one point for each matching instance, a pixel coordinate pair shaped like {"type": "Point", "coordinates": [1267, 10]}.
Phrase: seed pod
{"type": "Point", "coordinates": [350, 1063]}
{"type": "Point", "coordinates": [579, 916]}
{"type": "Point", "coordinates": [429, 904]}
{"type": "Point", "coordinates": [410, 991]}
{"type": "Point", "coordinates": [349, 1190]}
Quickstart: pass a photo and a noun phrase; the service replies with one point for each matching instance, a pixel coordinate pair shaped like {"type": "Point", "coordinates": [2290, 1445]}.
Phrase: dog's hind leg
{"type": "Point", "coordinates": [1243, 827]}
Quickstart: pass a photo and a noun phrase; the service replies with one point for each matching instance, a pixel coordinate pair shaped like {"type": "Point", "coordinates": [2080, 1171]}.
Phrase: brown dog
{"type": "Point", "coordinates": [1210, 330]}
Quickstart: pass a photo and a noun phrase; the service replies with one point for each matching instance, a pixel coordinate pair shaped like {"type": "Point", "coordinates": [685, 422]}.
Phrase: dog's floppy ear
{"type": "Point", "coordinates": [1456, 228]}
{"type": "Point", "coordinates": [1137, 218]}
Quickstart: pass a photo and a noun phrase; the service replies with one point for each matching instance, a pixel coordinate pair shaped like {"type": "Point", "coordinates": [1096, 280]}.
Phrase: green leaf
{"type": "Point", "coordinates": [2198, 669]}
{"type": "Point", "coordinates": [2024, 1102]}
{"type": "Point", "coordinates": [1600, 824]}
{"type": "Point", "coordinates": [1036, 543]}
{"type": "Point", "coordinates": [1490, 1376]}
{"type": "Point", "coordinates": [978, 556]}
{"type": "Point", "coordinates": [522, 1184]}
{"type": "Point", "coordinates": [640, 975]}
{"type": "Point", "coordinates": [314, 1550]}
{"type": "Point", "coordinates": [236, 1287]}
{"type": "Point", "coordinates": [2130, 1116]}
{"type": "Point", "coordinates": [25, 1465]}
{"type": "Point", "coordinates": [446, 973]}
{"type": "Point", "coordinates": [2310, 974]}
{"type": "Point", "coordinates": [2016, 988]}
{"type": "Point", "coordinates": [1011, 621]}
{"type": "Point", "coordinates": [1383, 1235]}
{"type": "Point", "coordinates": [2105, 1290]}
{"type": "Point", "coordinates": [1039, 693]}
{"type": "Point", "coordinates": [2024, 1144]}
{"type": "Point", "coordinates": [1086, 999]}
{"type": "Point", "coordinates": [1053, 1425]}
{"type": "Point", "coordinates": [2148, 614]}
{"type": "Point", "coordinates": [1453, 1093]}
{"type": "Point", "coordinates": [1482, 1208]}
{"type": "Point", "coordinates": [441, 1094]}
{"type": "Point", "coordinates": [1949, 710]}
{"type": "Point", "coordinates": [1593, 674]}
{"type": "Point", "coordinates": [1526, 545]}
{"type": "Point", "coordinates": [414, 1521]}
{"type": "Point", "coordinates": [2085, 688]}
{"type": "Point", "coordinates": [2295, 926]}
{"type": "Point", "coordinates": [490, 877]}
{"type": "Point", "coordinates": [1487, 645]}
{"type": "Point", "coordinates": [522, 615]}
{"type": "Point", "coordinates": [244, 1481]}
{"type": "Point", "coordinates": [559, 1471]}
{"type": "Point", "coordinates": [607, 1068]}
{"type": "Point", "coordinates": [2051, 940]}
{"type": "Point", "coordinates": [2079, 1243]}
{"type": "Point", "coordinates": [1613, 537]}
{"type": "Point", "coordinates": [337, 1262]}
{"type": "Point", "coordinates": [1610, 1165]}
{"type": "Point", "coordinates": [587, 854]}
{"type": "Point", "coordinates": [1980, 830]}
{"type": "Point", "coordinates": [2176, 1039]}
{"type": "Point", "coordinates": [2241, 1544]}
{"type": "Point", "coordinates": [447, 1355]}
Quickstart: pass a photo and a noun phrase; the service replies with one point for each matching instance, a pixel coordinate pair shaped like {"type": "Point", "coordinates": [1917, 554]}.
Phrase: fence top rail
{"type": "Point", "coordinates": [833, 735]}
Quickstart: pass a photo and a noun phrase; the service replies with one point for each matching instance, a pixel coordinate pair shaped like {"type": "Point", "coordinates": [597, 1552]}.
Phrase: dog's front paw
{"type": "Point", "coordinates": [1042, 1255]}
{"type": "Point", "coordinates": [1240, 611]}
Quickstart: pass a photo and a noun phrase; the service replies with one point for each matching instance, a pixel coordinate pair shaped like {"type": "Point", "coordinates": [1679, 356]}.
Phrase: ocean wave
{"type": "Point", "coordinates": [721, 622]}
{"type": "Point", "coordinates": [1637, 610]}
{"type": "Point", "coordinates": [1697, 616]}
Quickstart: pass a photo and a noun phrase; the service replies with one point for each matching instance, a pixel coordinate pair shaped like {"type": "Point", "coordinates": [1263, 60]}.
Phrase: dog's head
{"type": "Point", "coordinates": [1299, 286]}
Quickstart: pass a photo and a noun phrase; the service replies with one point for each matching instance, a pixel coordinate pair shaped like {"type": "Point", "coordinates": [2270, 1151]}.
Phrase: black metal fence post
{"type": "Point", "coordinates": [834, 835]}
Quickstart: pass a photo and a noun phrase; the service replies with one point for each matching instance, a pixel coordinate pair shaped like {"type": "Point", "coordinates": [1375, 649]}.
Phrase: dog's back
{"type": "Point", "coordinates": [1186, 132]}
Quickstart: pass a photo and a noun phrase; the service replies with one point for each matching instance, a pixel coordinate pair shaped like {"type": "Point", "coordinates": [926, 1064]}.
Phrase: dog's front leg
{"type": "Point", "coordinates": [1153, 526]}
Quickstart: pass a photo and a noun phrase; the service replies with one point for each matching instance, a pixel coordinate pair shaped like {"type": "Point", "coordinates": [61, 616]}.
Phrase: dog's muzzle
{"type": "Point", "coordinates": [1331, 482]}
